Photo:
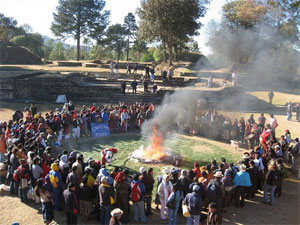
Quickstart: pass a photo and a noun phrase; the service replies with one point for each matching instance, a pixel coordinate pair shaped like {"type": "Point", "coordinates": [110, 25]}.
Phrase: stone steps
{"type": "Point", "coordinates": [116, 98]}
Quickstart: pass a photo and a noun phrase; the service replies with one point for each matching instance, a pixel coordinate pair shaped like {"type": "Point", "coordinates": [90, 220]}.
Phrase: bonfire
{"type": "Point", "coordinates": [155, 152]}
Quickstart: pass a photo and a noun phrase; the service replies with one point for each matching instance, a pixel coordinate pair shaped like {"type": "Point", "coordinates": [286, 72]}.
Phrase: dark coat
{"type": "Point", "coordinates": [71, 202]}
{"type": "Point", "coordinates": [106, 192]}
{"type": "Point", "coordinates": [85, 193]}
{"type": "Point", "coordinates": [214, 218]}
{"type": "Point", "coordinates": [185, 183]}
{"type": "Point", "coordinates": [148, 182]}
{"type": "Point", "coordinates": [194, 203]}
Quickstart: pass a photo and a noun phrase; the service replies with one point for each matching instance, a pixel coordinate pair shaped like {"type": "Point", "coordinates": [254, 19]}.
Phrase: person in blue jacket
{"type": "Point", "coordinates": [242, 183]}
{"type": "Point", "coordinates": [194, 202]}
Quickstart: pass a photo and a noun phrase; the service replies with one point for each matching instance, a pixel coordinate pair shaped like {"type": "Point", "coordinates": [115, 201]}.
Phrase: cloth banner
{"type": "Point", "coordinates": [61, 99]}
{"type": "Point", "coordinates": [100, 129]}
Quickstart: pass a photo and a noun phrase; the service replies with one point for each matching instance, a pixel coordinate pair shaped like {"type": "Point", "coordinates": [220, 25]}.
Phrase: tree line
{"type": "Point", "coordinates": [87, 22]}
{"type": "Point", "coordinates": [165, 30]}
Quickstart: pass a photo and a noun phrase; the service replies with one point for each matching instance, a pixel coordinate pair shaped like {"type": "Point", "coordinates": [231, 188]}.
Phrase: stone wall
{"type": "Point", "coordinates": [47, 89]}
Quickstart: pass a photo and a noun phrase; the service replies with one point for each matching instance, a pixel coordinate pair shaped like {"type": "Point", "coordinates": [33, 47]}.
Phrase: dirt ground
{"type": "Point", "coordinates": [285, 210]}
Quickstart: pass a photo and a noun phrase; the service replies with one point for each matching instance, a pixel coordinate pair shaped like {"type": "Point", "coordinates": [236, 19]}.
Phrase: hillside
{"type": "Point", "coordinates": [11, 53]}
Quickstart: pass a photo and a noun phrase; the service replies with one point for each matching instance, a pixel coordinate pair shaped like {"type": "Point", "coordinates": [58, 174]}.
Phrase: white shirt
{"type": "Point", "coordinates": [124, 116]}
{"type": "Point", "coordinates": [273, 122]}
{"type": "Point", "coordinates": [259, 164]}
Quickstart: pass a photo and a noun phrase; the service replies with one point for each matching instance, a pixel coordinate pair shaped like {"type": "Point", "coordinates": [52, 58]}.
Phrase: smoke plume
{"type": "Point", "coordinates": [175, 109]}
{"type": "Point", "coordinates": [262, 55]}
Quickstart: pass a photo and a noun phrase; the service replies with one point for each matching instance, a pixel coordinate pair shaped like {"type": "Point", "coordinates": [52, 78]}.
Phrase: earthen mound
{"type": "Point", "coordinates": [11, 53]}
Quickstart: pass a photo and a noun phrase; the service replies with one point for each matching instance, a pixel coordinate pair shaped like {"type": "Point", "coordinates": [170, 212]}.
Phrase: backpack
{"type": "Point", "coordinates": [212, 190]}
{"type": "Point", "coordinates": [172, 204]}
{"type": "Point", "coordinates": [135, 192]}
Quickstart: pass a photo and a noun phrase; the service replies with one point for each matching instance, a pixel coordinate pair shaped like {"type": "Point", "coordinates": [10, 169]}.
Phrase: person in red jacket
{"type": "Point", "coordinates": [197, 170]}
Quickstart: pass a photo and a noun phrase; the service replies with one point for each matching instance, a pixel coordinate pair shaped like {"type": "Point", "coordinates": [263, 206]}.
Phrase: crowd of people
{"type": "Point", "coordinates": [68, 122]}
{"type": "Point", "coordinates": [66, 180]}
{"type": "Point", "coordinates": [214, 125]}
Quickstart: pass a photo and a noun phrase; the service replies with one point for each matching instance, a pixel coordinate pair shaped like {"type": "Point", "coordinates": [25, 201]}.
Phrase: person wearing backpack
{"type": "Point", "coordinates": [137, 197]}
{"type": "Point", "coordinates": [164, 191]}
{"type": "Point", "coordinates": [242, 183]}
{"type": "Point", "coordinates": [106, 196]}
{"type": "Point", "coordinates": [174, 203]}
{"type": "Point", "coordinates": [215, 190]}
{"type": "Point", "coordinates": [272, 180]}
{"type": "Point", "coordinates": [194, 203]}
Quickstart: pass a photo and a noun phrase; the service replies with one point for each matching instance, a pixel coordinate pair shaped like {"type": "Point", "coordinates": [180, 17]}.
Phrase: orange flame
{"type": "Point", "coordinates": [155, 150]}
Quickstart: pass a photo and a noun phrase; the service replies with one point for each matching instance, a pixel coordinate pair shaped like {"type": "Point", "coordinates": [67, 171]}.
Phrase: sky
{"type": "Point", "coordinates": [39, 14]}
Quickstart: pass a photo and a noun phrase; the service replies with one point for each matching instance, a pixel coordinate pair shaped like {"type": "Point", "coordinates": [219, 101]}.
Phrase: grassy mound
{"type": "Point", "coordinates": [11, 53]}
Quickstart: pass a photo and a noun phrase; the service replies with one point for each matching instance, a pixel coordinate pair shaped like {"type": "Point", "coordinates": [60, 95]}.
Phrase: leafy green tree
{"type": "Point", "coordinates": [58, 52]}
{"type": "Point", "coordinates": [244, 13]}
{"type": "Point", "coordinates": [115, 38]}
{"type": "Point", "coordinates": [27, 28]}
{"type": "Point", "coordinates": [170, 22]}
{"type": "Point", "coordinates": [47, 48]}
{"type": "Point", "coordinates": [33, 42]}
{"type": "Point", "coordinates": [192, 46]}
{"type": "Point", "coordinates": [284, 16]}
{"type": "Point", "coordinates": [80, 18]}
{"type": "Point", "coordinates": [139, 47]}
{"type": "Point", "coordinates": [9, 28]}
{"type": "Point", "coordinates": [96, 52]}
{"type": "Point", "coordinates": [147, 57]}
{"type": "Point", "coordinates": [70, 53]}
{"type": "Point", "coordinates": [130, 29]}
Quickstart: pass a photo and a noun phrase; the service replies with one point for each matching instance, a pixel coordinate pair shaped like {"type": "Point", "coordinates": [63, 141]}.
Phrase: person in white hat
{"type": "Point", "coordinates": [216, 190]}
{"type": "Point", "coordinates": [116, 215]}
{"type": "Point", "coordinates": [164, 170]}
{"type": "Point", "coordinates": [142, 170]}
{"type": "Point", "coordinates": [242, 183]}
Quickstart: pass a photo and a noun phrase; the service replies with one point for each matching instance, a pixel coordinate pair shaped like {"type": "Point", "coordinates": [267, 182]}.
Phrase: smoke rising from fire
{"type": "Point", "coordinates": [262, 58]}
{"type": "Point", "coordinates": [175, 109]}
{"type": "Point", "coordinates": [262, 55]}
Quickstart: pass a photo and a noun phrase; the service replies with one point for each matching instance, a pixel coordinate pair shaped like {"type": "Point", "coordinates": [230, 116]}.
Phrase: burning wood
{"type": "Point", "coordinates": [155, 150]}
{"type": "Point", "coordinates": [155, 153]}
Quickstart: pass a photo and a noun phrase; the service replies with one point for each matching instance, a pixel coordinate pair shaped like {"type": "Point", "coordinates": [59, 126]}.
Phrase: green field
{"type": "Point", "coordinates": [191, 150]}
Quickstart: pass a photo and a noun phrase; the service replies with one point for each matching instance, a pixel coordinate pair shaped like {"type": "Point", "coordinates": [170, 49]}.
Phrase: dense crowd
{"type": "Point", "coordinates": [86, 187]}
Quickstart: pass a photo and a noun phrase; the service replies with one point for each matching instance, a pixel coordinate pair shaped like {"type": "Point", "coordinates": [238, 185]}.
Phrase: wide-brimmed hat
{"type": "Point", "coordinates": [142, 170]}
{"type": "Point", "coordinates": [165, 170]}
{"type": "Point", "coordinates": [246, 156]}
{"type": "Point", "coordinates": [218, 174]}
{"type": "Point", "coordinates": [116, 212]}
